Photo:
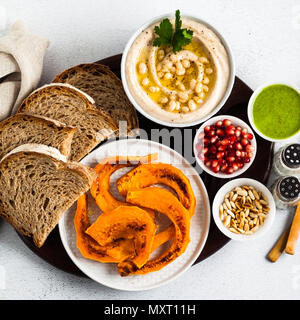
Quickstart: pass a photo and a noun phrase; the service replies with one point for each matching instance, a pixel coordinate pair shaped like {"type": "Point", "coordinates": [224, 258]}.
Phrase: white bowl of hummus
{"type": "Point", "coordinates": [183, 88]}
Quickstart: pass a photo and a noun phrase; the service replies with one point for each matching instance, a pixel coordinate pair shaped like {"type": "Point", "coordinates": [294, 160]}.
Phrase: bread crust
{"type": "Point", "coordinates": [96, 70]}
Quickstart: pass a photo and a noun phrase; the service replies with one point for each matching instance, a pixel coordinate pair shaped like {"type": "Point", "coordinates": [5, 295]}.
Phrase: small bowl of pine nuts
{"type": "Point", "coordinates": [244, 209]}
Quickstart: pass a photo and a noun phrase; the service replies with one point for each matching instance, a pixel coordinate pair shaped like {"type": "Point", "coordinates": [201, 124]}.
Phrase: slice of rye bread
{"type": "Point", "coordinates": [106, 89]}
{"type": "Point", "coordinates": [36, 189]}
{"type": "Point", "coordinates": [25, 128]}
{"type": "Point", "coordinates": [74, 108]}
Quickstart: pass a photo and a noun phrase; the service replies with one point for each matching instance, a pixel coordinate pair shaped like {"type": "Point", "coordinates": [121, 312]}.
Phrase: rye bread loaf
{"type": "Point", "coordinates": [72, 107]}
{"type": "Point", "coordinates": [105, 88]}
{"type": "Point", "coordinates": [25, 128]}
{"type": "Point", "coordinates": [37, 188]}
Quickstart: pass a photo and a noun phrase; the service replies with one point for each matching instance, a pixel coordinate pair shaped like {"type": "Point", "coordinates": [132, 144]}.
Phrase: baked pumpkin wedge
{"type": "Point", "coordinates": [165, 202]}
{"type": "Point", "coordinates": [100, 188]}
{"type": "Point", "coordinates": [88, 247]}
{"type": "Point", "coordinates": [148, 174]}
{"type": "Point", "coordinates": [129, 223]}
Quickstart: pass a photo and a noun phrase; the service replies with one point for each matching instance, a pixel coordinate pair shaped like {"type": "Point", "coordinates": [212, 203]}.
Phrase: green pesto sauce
{"type": "Point", "coordinates": [276, 111]}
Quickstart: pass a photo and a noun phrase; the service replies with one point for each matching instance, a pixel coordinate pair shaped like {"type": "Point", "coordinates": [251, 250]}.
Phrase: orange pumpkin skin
{"type": "Point", "coordinates": [100, 187]}
{"type": "Point", "coordinates": [88, 247]}
{"type": "Point", "coordinates": [165, 202]}
{"type": "Point", "coordinates": [153, 173]}
{"type": "Point", "coordinates": [126, 222]}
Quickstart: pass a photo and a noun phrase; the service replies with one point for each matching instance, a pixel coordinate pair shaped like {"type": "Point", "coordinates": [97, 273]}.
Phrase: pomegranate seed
{"type": "Point", "coordinates": [230, 159]}
{"type": "Point", "coordinates": [204, 150]}
{"type": "Point", "coordinates": [214, 163]}
{"type": "Point", "coordinates": [239, 128]}
{"type": "Point", "coordinates": [226, 122]}
{"type": "Point", "coordinates": [206, 141]}
{"type": "Point", "coordinates": [220, 155]}
{"type": "Point", "coordinates": [244, 131]}
{"type": "Point", "coordinates": [237, 132]}
{"type": "Point", "coordinates": [246, 160]}
{"type": "Point", "coordinates": [249, 136]}
{"type": "Point", "coordinates": [207, 163]}
{"type": "Point", "coordinates": [216, 169]}
{"type": "Point", "coordinates": [211, 133]}
{"type": "Point", "coordinates": [212, 149]}
{"type": "Point", "coordinates": [240, 165]}
{"type": "Point", "coordinates": [238, 146]}
{"type": "Point", "coordinates": [221, 161]}
{"type": "Point", "coordinates": [249, 148]}
{"type": "Point", "coordinates": [250, 154]}
{"type": "Point", "coordinates": [235, 166]}
{"type": "Point", "coordinates": [244, 142]}
{"type": "Point", "coordinates": [201, 135]}
{"type": "Point", "coordinates": [232, 139]}
{"type": "Point", "coordinates": [220, 133]}
{"type": "Point", "coordinates": [221, 147]}
{"type": "Point", "coordinates": [219, 124]}
{"type": "Point", "coordinates": [229, 170]}
{"type": "Point", "coordinates": [207, 128]}
{"type": "Point", "coordinates": [224, 142]}
{"type": "Point", "coordinates": [224, 167]}
{"type": "Point", "coordinates": [229, 131]}
{"type": "Point", "coordinates": [213, 139]}
{"type": "Point", "coordinates": [238, 153]}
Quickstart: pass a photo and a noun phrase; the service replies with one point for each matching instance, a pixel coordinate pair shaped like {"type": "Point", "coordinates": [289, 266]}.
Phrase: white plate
{"type": "Point", "coordinates": [107, 274]}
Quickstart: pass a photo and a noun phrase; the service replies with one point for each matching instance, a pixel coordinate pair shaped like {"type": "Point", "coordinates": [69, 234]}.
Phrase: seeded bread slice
{"type": "Point", "coordinates": [25, 128]}
{"type": "Point", "coordinates": [105, 88]}
{"type": "Point", "coordinates": [72, 107]}
{"type": "Point", "coordinates": [37, 188]}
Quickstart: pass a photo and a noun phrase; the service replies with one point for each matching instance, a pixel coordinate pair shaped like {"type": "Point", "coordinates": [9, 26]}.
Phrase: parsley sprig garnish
{"type": "Point", "coordinates": [168, 37]}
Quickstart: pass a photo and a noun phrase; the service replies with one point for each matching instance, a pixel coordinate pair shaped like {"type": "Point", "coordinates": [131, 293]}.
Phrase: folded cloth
{"type": "Point", "coordinates": [21, 63]}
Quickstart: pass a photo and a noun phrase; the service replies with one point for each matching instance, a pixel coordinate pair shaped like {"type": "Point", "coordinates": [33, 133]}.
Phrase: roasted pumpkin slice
{"type": "Point", "coordinates": [88, 247]}
{"type": "Point", "coordinates": [159, 173]}
{"type": "Point", "coordinates": [129, 223]}
{"type": "Point", "coordinates": [165, 202]}
{"type": "Point", "coordinates": [100, 188]}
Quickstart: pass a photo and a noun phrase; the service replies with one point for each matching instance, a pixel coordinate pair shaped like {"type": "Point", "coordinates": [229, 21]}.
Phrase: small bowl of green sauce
{"type": "Point", "coordinates": [274, 111]}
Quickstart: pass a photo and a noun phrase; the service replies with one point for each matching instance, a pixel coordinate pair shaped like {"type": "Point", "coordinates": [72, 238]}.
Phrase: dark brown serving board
{"type": "Point", "coordinates": [236, 105]}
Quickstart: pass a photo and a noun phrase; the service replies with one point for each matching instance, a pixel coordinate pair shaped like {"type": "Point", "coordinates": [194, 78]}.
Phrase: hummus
{"type": "Point", "coordinates": [182, 87]}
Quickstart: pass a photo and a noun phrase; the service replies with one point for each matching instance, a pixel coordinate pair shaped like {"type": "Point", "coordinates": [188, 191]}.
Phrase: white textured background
{"type": "Point", "coordinates": [265, 38]}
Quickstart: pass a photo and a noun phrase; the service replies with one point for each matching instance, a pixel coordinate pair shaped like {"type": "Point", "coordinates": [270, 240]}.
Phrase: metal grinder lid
{"type": "Point", "coordinates": [289, 188]}
{"type": "Point", "coordinates": [291, 156]}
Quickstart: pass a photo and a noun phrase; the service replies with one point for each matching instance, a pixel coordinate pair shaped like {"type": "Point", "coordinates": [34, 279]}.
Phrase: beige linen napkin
{"type": "Point", "coordinates": [21, 63]}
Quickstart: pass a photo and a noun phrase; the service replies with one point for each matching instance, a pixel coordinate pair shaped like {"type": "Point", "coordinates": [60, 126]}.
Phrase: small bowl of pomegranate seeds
{"type": "Point", "coordinates": [225, 146]}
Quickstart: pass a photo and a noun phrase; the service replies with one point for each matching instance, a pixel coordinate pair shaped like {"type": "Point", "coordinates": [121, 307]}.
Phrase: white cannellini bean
{"type": "Point", "coordinates": [142, 68]}
{"type": "Point", "coordinates": [168, 64]}
{"type": "Point", "coordinates": [192, 105]}
{"type": "Point", "coordinates": [193, 83]}
{"type": "Point", "coordinates": [145, 82]}
{"type": "Point", "coordinates": [180, 72]}
{"type": "Point", "coordinates": [185, 109]}
{"type": "Point", "coordinates": [168, 76]}
{"type": "Point", "coordinates": [160, 74]}
{"type": "Point", "coordinates": [186, 63]}
{"type": "Point", "coordinates": [198, 100]}
{"type": "Point", "coordinates": [206, 80]}
{"type": "Point", "coordinates": [183, 96]}
{"type": "Point", "coordinates": [172, 105]}
{"type": "Point", "coordinates": [198, 87]}
{"type": "Point", "coordinates": [164, 100]}
{"type": "Point", "coordinates": [178, 106]}
{"type": "Point", "coordinates": [205, 88]}
{"type": "Point", "coordinates": [202, 95]}
{"type": "Point", "coordinates": [209, 70]}
{"type": "Point", "coordinates": [173, 97]}
{"type": "Point", "coordinates": [152, 89]}
{"type": "Point", "coordinates": [173, 58]}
